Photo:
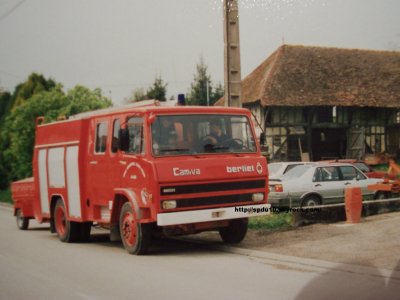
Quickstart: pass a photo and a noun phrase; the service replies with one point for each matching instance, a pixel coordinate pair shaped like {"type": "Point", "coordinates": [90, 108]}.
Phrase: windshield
{"type": "Point", "coordinates": [296, 172]}
{"type": "Point", "coordinates": [199, 134]}
{"type": "Point", "coordinates": [274, 168]}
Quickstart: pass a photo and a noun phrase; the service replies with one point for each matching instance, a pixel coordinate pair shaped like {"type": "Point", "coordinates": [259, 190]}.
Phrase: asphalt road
{"type": "Point", "coordinates": [34, 264]}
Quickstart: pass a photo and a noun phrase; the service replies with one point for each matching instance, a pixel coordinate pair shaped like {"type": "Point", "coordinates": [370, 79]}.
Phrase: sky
{"type": "Point", "coordinates": [123, 45]}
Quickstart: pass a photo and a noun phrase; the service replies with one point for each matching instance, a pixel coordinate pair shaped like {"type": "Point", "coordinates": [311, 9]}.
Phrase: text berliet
{"type": "Point", "coordinates": [240, 169]}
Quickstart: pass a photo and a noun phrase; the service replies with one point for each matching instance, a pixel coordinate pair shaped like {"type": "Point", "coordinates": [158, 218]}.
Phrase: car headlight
{"type": "Point", "coordinates": [168, 204]}
{"type": "Point", "coordinates": [256, 197]}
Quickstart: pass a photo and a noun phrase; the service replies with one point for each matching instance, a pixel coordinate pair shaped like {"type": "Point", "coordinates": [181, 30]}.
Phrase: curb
{"type": "Point", "coordinates": [302, 263]}
{"type": "Point", "coordinates": [6, 205]}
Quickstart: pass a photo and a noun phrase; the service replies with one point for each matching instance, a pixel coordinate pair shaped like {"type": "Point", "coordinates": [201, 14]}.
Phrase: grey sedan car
{"type": "Point", "coordinates": [318, 183]}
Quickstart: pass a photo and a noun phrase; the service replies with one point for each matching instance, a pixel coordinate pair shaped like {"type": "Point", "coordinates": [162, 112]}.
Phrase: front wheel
{"type": "Point", "coordinates": [235, 232]}
{"type": "Point", "coordinates": [135, 236]}
{"type": "Point", "coordinates": [22, 222]}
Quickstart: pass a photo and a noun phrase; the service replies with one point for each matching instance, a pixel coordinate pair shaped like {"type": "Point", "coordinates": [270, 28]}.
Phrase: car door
{"type": "Point", "coordinates": [328, 184]}
{"type": "Point", "coordinates": [354, 177]}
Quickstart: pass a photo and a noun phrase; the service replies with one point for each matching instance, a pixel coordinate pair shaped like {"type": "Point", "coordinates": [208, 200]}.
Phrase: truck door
{"type": "Point", "coordinates": [100, 178]}
{"type": "Point", "coordinates": [133, 174]}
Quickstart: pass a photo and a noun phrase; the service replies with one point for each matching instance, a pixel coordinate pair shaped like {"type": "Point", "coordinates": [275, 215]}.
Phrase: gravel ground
{"type": "Point", "coordinates": [375, 241]}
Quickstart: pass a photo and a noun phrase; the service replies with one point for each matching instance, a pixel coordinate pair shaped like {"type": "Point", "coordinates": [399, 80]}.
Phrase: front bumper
{"type": "Point", "coordinates": [215, 214]}
{"type": "Point", "coordinates": [283, 200]}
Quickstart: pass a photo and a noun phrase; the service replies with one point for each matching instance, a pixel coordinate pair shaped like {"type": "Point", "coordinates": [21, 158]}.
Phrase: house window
{"type": "Point", "coordinates": [375, 138]}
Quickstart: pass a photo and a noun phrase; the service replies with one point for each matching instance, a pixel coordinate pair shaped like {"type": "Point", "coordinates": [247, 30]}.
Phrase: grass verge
{"type": "Point", "coordinates": [5, 196]}
{"type": "Point", "coordinates": [272, 221]}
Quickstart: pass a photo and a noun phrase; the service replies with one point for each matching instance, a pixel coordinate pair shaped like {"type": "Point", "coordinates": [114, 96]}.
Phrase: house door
{"type": "Point", "coordinates": [328, 143]}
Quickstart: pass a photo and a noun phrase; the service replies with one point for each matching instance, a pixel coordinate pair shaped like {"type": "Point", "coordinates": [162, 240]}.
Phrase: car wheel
{"type": "Point", "coordinates": [309, 202]}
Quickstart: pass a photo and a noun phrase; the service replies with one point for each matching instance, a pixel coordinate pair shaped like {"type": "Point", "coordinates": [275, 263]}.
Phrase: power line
{"type": "Point", "coordinates": [11, 10]}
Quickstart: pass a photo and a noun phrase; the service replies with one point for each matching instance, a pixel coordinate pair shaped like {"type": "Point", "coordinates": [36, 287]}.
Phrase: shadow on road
{"type": "Point", "coordinates": [340, 284]}
{"type": "Point", "coordinates": [159, 246]}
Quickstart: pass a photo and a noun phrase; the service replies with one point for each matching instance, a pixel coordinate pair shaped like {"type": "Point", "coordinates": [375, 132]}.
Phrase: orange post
{"type": "Point", "coordinates": [353, 204]}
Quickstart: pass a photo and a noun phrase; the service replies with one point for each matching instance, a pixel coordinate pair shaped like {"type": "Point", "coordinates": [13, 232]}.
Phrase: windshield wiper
{"type": "Point", "coordinates": [175, 150]}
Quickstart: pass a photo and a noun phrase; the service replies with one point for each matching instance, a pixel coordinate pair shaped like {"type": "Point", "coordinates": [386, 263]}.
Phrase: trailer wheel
{"type": "Point", "coordinates": [67, 231]}
{"type": "Point", "coordinates": [134, 236]}
{"type": "Point", "coordinates": [22, 222]}
{"type": "Point", "coordinates": [235, 232]}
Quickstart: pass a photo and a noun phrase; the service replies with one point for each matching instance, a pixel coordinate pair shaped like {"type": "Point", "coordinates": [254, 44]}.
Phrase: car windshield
{"type": "Point", "coordinates": [273, 168]}
{"type": "Point", "coordinates": [363, 167]}
{"type": "Point", "coordinates": [200, 134]}
{"type": "Point", "coordinates": [296, 172]}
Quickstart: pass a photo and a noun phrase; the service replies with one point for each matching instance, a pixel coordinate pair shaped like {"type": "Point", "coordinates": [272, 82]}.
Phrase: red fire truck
{"type": "Point", "coordinates": [143, 171]}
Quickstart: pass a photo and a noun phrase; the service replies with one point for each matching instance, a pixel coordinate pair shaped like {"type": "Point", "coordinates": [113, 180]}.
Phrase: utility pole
{"type": "Point", "coordinates": [233, 88]}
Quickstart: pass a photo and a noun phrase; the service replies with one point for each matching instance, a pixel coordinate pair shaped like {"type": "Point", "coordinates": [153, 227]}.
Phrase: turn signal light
{"type": "Point", "coordinates": [278, 188]}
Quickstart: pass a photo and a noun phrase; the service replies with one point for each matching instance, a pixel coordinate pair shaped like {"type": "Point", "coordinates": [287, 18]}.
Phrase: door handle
{"type": "Point", "coordinates": [347, 183]}
{"type": "Point", "coordinates": [93, 162]}
{"type": "Point", "coordinates": [317, 185]}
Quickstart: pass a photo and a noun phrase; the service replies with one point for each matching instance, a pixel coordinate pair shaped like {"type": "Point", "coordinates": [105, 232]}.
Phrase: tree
{"type": "Point", "coordinates": [202, 87]}
{"type": "Point", "coordinates": [138, 94]}
{"type": "Point", "coordinates": [158, 91]}
{"type": "Point", "coordinates": [5, 104]}
{"type": "Point", "coordinates": [35, 83]}
{"type": "Point", "coordinates": [218, 93]}
{"type": "Point", "coordinates": [51, 104]}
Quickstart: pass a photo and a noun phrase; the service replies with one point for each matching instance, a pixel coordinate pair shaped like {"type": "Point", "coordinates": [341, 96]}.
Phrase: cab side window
{"type": "Point", "coordinates": [115, 137]}
{"type": "Point", "coordinates": [136, 140]}
{"type": "Point", "coordinates": [101, 137]}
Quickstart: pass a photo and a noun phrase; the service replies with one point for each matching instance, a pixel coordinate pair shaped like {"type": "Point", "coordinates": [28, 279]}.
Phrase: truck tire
{"type": "Point", "coordinates": [235, 232]}
{"type": "Point", "coordinates": [85, 229]}
{"type": "Point", "coordinates": [67, 231]}
{"type": "Point", "coordinates": [135, 236]}
{"type": "Point", "coordinates": [22, 222]}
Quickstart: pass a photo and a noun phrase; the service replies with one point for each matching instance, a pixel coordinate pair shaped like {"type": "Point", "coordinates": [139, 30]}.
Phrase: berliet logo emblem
{"type": "Point", "coordinates": [259, 168]}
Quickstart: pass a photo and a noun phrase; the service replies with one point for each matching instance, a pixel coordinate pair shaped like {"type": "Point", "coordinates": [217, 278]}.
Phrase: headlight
{"type": "Point", "coordinates": [169, 204]}
{"type": "Point", "coordinates": [256, 197]}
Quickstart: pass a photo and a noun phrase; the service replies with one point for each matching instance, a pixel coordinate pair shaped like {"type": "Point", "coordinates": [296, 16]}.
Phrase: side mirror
{"type": "Point", "coordinates": [262, 138]}
{"type": "Point", "coordinates": [123, 139]}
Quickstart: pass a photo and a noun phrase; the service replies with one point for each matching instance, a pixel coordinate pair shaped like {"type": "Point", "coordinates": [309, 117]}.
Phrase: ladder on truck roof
{"type": "Point", "coordinates": [139, 104]}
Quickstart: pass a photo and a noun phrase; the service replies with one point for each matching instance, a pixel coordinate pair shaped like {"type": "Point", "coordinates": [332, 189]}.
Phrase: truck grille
{"type": "Point", "coordinates": [216, 200]}
{"type": "Point", "coordinates": [239, 192]}
{"type": "Point", "coordinates": [212, 187]}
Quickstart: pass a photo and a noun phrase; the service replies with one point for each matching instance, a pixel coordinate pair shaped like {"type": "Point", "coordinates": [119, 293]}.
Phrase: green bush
{"type": "Point", "coordinates": [272, 221]}
{"type": "Point", "coordinates": [5, 196]}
